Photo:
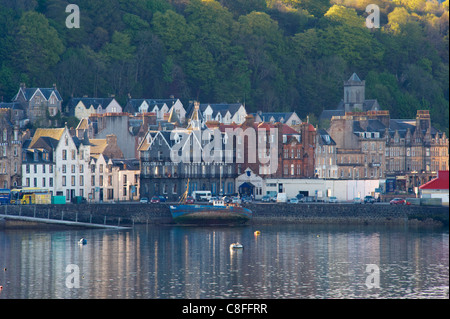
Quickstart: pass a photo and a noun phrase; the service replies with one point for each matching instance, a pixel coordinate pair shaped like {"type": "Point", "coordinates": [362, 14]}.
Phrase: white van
{"type": "Point", "coordinates": [202, 195]}
{"type": "Point", "coordinates": [281, 198]}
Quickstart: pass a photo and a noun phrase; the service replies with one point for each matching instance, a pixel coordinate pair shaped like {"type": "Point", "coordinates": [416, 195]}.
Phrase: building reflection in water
{"type": "Point", "coordinates": [301, 261]}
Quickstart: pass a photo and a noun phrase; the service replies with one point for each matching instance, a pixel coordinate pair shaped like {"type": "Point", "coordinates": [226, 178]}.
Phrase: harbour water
{"type": "Point", "coordinates": [283, 261]}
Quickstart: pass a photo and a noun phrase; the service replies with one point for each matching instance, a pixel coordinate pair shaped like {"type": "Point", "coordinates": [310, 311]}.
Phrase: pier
{"type": "Point", "coordinates": [49, 216]}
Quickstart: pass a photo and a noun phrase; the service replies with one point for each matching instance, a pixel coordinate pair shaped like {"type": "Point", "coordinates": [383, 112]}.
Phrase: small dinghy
{"type": "Point", "coordinates": [82, 241]}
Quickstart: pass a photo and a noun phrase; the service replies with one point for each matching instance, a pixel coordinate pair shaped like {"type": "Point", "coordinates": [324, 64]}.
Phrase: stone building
{"type": "Point", "coordinates": [405, 152]}
{"type": "Point", "coordinates": [10, 152]}
{"type": "Point", "coordinates": [415, 152]}
{"type": "Point", "coordinates": [42, 106]}
{"type": "Point", "coordinates": [354, 100]}
{"type": "Point", "coordinates": [169, 160]}
{"type": "Point", "coordinates": [325, 156]}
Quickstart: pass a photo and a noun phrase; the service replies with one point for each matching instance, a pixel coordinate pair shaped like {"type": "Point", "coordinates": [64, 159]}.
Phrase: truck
{"type": "Point", "coordinates": [281, 198]}
{"type": "Point", "coordinates": [202, 195]}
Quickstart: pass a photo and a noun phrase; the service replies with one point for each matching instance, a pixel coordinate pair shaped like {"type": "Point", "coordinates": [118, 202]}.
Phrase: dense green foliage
{"type": "Point", "coordinates": [274, 55]}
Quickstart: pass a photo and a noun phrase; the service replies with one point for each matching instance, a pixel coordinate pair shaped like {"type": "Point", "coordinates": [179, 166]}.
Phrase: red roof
{"type": "Point", "coordinates": [441, 182]}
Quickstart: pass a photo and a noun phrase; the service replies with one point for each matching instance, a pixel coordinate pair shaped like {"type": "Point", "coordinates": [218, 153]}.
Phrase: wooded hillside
{"type": "Point", "coordinates": [274, 55]}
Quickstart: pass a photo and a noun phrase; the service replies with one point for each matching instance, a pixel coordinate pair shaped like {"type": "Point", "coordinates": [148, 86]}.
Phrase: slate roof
{"type": "Point", "coordinates": [325, 138]}
{"type": "Point", "coordinates": [46, 92]}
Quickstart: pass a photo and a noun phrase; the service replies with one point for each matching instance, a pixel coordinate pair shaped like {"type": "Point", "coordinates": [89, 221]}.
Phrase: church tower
{"type": "Point", "coordinates": [354, 94]}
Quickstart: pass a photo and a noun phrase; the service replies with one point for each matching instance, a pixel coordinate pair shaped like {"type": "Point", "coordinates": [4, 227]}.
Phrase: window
{"type": "Point", "coordinates": [63, 181]}
{"type": "Point", "coordinates": [81, 180]}
{"type": "Point", "coordinates": [43, 182]}
{"type": "Point", "coordinates": [64, 155]}
{"type": "Point", "coordinates": [73, 168]}
{"type": "Point", "coordinates": [50, 182]}
{"type": "Point", "coordinates": [73, 154]}
{"type": "Point", "coordinates": [64, 168]}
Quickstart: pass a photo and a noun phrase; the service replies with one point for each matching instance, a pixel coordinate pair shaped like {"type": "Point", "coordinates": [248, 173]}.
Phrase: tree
{"type": "Point", "coordinates": [38, 46]}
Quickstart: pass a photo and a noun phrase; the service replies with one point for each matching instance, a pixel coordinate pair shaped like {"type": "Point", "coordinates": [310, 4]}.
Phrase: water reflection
{"type": "Point", "coordinates": [294, 261]}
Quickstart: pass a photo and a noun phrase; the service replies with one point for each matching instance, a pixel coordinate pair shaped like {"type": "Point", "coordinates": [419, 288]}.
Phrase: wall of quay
{"type": "Point", "coordinates": [128, 214]}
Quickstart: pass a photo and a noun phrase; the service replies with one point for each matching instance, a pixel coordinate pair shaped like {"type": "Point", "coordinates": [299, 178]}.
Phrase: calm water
{"type": "Point", "coordinates": [296, 261]}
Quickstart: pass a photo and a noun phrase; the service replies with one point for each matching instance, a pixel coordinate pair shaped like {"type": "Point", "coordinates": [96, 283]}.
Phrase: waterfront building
{"type": "Point", "coordinates": [325, 156]}
{"type": "Point", "coordinates": [415, 152]}
{"type": "Point", "coordinates": [52, 159]}
{"type": "Point", "coordinates": [10, 152]}
{"type": "Point", "coordinates": [166, 170]}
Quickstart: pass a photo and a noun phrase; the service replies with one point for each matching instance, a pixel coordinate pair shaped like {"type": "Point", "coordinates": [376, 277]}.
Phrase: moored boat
{"type": "Point", "coordinates": [217, 213]}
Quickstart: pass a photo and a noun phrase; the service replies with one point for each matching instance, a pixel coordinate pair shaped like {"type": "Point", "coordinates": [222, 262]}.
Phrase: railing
{"type": "Point", "coordinates": [43, 213]}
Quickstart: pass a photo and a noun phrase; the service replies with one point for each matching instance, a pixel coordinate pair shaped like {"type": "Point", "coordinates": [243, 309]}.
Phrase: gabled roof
{"type": "Point", "coordinates": [98, 145]}
{"type": "Point", "coordinates": [28, 93]}
{"type": "Point", "coordinates": [441, 182]}
{"type": "Point", "coordinates": [49, 136]}
{"type": "Point", "coordinates": [90, 101]}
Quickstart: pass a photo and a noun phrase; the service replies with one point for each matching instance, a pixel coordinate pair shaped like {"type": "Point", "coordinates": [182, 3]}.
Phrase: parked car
{"type": "Point", "coordinates": [273, 199]}
{"type": "Point", "coordinates": [143, 200]}
{"type": "Point", "coordinates": [332, 199]}
{"type": "Point", "coordinates": [301, 198]}
{"type": "Point", "coordinates": [369, 200]}
{"type": "Point", "coordinates": [265, 198]}
{"type": "Point", "coordinates": [398, 201]}
{"type": "Point", "coordinates": [293, 200]}
{"type": "Point", "coordinates": [155, 200]}
{"type": "Point", "coordinates": [357, 200]}
{"type": "Point", "coordinates": [190, 200]}
{"type": "Point", "coordinates": [162, 199]}
{"type": "Point", "coordinates": [247, 199]}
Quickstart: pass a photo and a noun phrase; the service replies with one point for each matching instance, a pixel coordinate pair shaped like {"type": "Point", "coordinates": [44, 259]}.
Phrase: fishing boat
{"type": "Point", "coordinates": [217, 213]}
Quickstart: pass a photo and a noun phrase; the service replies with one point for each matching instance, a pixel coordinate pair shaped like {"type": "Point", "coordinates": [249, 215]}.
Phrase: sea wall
{"type": "Point", "coordinates": [130, 214]}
